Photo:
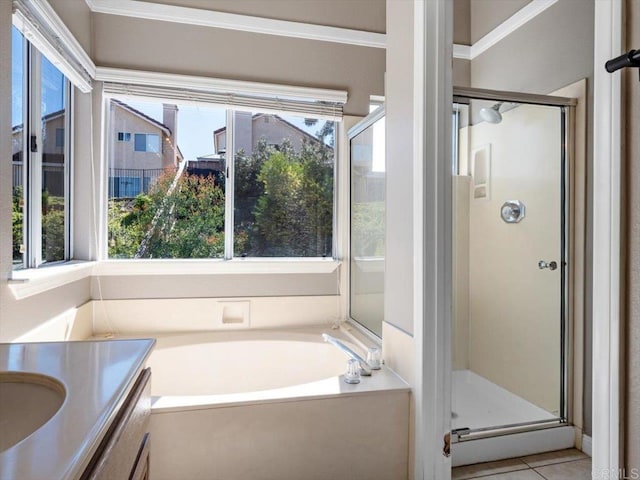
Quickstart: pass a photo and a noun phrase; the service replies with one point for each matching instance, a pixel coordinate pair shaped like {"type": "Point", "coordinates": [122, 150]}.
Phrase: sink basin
{"type": "Point", "coordinates": [27, 402]}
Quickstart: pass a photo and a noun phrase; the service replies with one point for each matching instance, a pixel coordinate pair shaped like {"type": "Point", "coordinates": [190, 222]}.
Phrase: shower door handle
{"type": "Point", "coordinates": [550, 265]}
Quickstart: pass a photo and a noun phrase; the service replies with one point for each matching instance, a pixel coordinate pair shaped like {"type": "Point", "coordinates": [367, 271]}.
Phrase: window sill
{"type": "Point", "coordinates": [247, 266]}
{"type": "Point", "coordinates": [29, 282]}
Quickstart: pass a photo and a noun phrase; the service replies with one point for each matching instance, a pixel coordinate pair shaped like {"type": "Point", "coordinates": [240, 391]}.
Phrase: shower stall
{"type": "Point", "coordinates": [511, 284]}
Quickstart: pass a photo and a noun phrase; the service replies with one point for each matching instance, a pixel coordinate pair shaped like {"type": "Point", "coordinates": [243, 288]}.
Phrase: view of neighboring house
{"type": "Point", "coordinates": [141, 150]}
{"type": "Point", "coordinates": [53, 135]}
{"type": "Point", "coordinates": [249, 129]}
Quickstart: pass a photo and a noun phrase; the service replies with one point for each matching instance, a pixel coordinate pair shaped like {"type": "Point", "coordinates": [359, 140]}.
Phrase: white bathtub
{"type": "Point", "coordinates": [271, 404]}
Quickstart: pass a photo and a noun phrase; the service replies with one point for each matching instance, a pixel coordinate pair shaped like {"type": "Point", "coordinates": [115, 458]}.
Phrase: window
{"type": "Point", "coordinates": [124, 137]}
{"type": "Point", "coordinates": [271, 195]}
{"type": "Point", "coordinates": [367, 221]}
{"type": "Point", "coordinates": [60, 137]}
{"type": "Point", "coordinates": [40, 157]}
{"type": "Point", "coordinates": [283, 190]}
{"type": "Point", "coordinates": [147, 142]}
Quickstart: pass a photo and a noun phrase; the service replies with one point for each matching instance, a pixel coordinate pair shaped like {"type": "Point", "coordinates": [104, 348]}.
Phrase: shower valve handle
{"type": "Point", "coordinates": [551, 265]}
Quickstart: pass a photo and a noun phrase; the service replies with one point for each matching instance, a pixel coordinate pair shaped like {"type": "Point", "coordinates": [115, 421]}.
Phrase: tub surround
{"type": "Point", "coordinates": [97, 377]}
{"type": "Point", "coordinates": [263, 404]}
{"type": "Point", "coordinates": [316, 384]}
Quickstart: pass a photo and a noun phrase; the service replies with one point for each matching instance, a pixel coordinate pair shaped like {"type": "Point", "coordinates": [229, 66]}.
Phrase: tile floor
{"type": "Point", "coordinates": [569, 464]}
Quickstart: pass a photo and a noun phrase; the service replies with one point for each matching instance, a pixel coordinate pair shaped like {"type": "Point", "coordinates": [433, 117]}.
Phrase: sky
{"type": "Point", "coordinates": [52, 82]}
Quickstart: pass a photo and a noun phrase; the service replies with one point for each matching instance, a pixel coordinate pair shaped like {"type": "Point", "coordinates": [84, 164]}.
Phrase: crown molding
{"type": "Point", "coordinates": [462, 52]}
{"type": "Point", "coordinates": [231, 21]}
{"type": "Point", "coordinates": [506, 28]}
{"type": "Point", "coordinates": [267, 26]}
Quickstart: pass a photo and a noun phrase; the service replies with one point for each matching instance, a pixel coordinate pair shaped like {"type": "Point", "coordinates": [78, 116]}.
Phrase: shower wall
{"type": "Point", "coordinates": [461, 205]}
{"type": "Point", "coordinates": [511, 334]}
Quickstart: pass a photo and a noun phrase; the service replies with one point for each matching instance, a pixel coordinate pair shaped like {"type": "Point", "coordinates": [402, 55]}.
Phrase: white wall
{"type": "Point", "coordinates": [399, 164]}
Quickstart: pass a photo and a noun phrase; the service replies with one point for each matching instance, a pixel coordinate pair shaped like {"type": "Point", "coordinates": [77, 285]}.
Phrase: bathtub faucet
{"type": "Point", "coordinates": [365, 368]}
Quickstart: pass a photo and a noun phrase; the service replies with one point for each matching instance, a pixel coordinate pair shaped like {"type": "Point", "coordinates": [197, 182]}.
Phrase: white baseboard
{"type": "Point", "coordinates": [586, 444]}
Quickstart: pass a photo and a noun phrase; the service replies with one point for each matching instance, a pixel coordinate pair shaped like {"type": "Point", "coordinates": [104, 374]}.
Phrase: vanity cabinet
{"type": "Point", "coordinates": [123, 453]}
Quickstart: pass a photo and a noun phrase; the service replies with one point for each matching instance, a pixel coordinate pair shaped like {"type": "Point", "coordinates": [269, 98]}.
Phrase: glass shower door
{"type": "Point", "coordinates": [509, 266]}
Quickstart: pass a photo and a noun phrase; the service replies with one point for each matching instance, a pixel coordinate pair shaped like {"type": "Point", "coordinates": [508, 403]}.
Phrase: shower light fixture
{"type": "Point", "coordinates": [491, 115]}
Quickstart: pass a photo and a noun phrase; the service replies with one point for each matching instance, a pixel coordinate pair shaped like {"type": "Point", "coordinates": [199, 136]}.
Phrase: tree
{"type": "Point", "coordinates": [184, 222]}
{"type": "Point", "coordinates": [17, 216]}
{"type": "Point", "coordinates": [294, 215]}
{"type": "Point", "coordinates": [283, 206]}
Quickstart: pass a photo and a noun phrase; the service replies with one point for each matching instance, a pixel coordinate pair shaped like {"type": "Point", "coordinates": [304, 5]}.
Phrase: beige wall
{"type": "Point", "coordinates": [134, 43]}
{"type": "Point", "coordinates": [366, 15]}
{"type": "Point", "coordinates": [460, 299]}
{"type": "Point", "coordinates": [563, 53]}
{"type": "Point", "coordinates": [113, 287]}
{"type": "Point", "coordinates": [488, 14]}
{"type": "Point", "coordinates": [514, 307]}
{"type": "Point", "coordinates": [462, 22]}
{"type": "Point", "coordinates": [76, 15]}
{"type": "Point", "coordinates": [631, 295]}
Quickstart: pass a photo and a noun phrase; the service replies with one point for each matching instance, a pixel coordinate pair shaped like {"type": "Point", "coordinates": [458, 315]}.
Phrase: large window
{"type": "Point", "coordinates": [271, 195]}
{"type": "Point", "coordinates": [40, 157]}
{"type": "Point", "coordinates": [283, 190]}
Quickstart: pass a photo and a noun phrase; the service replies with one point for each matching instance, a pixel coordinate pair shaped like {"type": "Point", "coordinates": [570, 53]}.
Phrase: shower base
{"type": "Point", "coordinates": [480, 403]}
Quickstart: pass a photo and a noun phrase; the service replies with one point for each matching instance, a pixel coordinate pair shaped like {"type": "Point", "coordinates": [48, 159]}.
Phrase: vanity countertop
{"type": "Point", "coordinates": [97, 376]}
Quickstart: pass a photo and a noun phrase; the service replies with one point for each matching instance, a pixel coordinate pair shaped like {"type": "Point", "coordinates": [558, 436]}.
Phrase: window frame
{"type": "Point", "coordinates": [229, 156]}
{"type": "Point", "coordinates": [32, 177]}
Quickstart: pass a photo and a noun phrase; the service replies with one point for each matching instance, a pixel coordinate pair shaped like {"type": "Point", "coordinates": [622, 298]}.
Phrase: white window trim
{"type": "Point", "coordinates": [25, 283]}
{"type": "Point", "coordinates": [432, 240]}
{"type": "Point", "coordinates": [220, 85]}
{"type": "Point", "coordinates": [229, 257]}
{"type": "Point", "coordinates": [32, 161]}
{"type": "Point", "coordinates": [242, 266]}
{"type": "Point", "coordinates": [41, 25]}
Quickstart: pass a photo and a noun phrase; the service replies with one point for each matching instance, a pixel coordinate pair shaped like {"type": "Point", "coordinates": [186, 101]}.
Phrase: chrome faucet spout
{"type": "Point", "coordinates": [365, 368]}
